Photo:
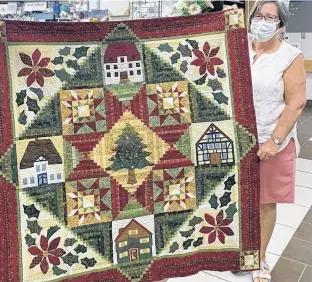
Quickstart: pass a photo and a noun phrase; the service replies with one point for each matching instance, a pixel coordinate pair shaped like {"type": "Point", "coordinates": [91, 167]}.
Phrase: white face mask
{"type": "Point", "coordinates": [263, 31]}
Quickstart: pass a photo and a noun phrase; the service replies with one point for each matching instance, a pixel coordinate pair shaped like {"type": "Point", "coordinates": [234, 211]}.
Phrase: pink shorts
{"type": "Point", "coordinates": [277, 176]}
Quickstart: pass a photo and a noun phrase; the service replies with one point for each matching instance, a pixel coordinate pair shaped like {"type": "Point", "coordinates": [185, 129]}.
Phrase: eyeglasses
{"type": "Point", "coordinates": [268, 18]}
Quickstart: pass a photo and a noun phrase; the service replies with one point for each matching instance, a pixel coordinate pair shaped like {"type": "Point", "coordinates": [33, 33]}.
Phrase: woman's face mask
{"type": "Point", "coordinates": [263, 31]}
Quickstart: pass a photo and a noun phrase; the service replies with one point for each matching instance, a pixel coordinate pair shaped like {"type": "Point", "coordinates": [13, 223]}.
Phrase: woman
{"type": "Point", "coordinates": [279, 93]}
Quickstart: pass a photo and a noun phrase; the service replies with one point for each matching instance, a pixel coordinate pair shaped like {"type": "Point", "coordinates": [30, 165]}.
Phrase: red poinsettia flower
{"type": "Point", "coordinates": [47, 252]}
{"type": "Point", "coordinates": [218, 227]}
{"type": "Point", "coordinates": [206, 60]}
{"type": "Point", "coordinates": [36, 70]}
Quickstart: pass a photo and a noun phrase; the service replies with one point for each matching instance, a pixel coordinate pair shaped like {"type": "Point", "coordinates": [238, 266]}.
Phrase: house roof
{"type": "Point", "coordinates": [131, 224]}
{"type": "Point", "coordinates": [212, 127]}
{"type": "Point", "coordinates": [116, 50]}
{"type": "Point", "coordinates": [40, 148]}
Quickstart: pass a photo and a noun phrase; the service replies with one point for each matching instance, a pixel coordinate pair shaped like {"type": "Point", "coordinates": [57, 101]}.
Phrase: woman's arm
{"type": "Point", "coordinates": [295, 98]}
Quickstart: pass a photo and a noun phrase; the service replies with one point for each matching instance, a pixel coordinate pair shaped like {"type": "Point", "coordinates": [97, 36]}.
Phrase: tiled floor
{"type": "Point", "coordinates": [290, 249]}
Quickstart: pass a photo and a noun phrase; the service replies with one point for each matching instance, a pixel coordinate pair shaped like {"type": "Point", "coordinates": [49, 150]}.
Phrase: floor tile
{"type": "Point", "coordinates": [308, 217]}
{"type": "Point", "coordinates": [229, 276]}
{"type": "Point", "coordinates": [299, 250]}
{"type": "Point", "coordinates": [305, 127]}
{"type": "Point", "coordinates": [287, 271]}
{"type": "Point", "coordinates": [303, 196]}
{"type": "Point", "coordinates": [280, 239]}
{"type": "Point", "coordinates": [297, 214]}
{"type": "Point", "coordinates": [307, 275]}
{"type": "Point", "coordinates": [200, 277]}
{"type": "Point", "coordinates": [306, 151]}
{"type": "Point", "coordinates": [303, 138]}
{"type": "Point", "coordinates": [304, 232]}
{"type": "Point", "coordinates": [304, 165]}
{"type": "Point", "coordinates": [304, 179]}
{"type": "Point", "coordinates": [272, 259]}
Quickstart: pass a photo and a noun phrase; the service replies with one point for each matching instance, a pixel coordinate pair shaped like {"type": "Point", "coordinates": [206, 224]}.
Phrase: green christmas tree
{"type": "Point", "coordinates": [130, 153]}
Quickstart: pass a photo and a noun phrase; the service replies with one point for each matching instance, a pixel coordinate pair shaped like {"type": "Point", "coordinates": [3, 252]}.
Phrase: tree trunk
{"type": "Point", "coordinates": [131, 177]}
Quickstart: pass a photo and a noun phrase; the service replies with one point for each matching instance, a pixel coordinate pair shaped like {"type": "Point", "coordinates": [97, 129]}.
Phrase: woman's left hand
{"type": "Point", "coordinates": [268, 150]}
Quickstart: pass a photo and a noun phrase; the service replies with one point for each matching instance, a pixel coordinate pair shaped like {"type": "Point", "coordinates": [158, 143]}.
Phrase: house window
{"type": "Point", "coordinates": [44, 167]}
{"type": "Point", "coordinates": [116, 74]}
{"type": "Point", "coordinates": [52, 177]}
{"type": "Point", "coordinates": [131, 73]}
{"type": "Point", "coordinates": [115, 67]}
{"type": "Point", "coordinates": [144, 240]}
{"type": "Point", "coordinates": [122, 59]}
{"type": "Point", "coordinates": [38, 168]}
{"type": "Point", "coordinates": [139, 72]}
{"type": "Point", "coordinates": [108, 67]}
{"type": "Point", "coordinates": [133, 232]}
{"type": "Point", "coordinates": [59, 176]}
{"type": "Point", "coordinates": [145, 251]}
{"type": "Point", "coordinates": [122, 244]}
{"type": "Point", "coordinates": [25, 181]}
{"type": "Point", "coordinates": [138, 65]}
{"type": "Point", "coordinates": [130, 66]}
{"type": "Point", "coordinates": [109, 74]}
{"type": "Point", "coordinates": [123, 255]}
{"type": "Point", "coordinates": [32, 180]}
{"type": "Point", "coordinates": [42, 179]}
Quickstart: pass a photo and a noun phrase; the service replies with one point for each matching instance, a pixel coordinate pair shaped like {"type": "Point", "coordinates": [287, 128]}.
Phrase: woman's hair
{"type": "Point", "coordinates": [283, 12]}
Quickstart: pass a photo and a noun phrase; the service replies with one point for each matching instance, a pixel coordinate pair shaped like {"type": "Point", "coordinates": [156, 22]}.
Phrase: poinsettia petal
{"type": "Point", "coordinates": [212, 237]}
{"type": "Point", "coordinates": [36, 260]}
{"type": "Point", "coordinates": [54, 260]}
{"type": "Point", "coordinates": [227, 231]}
{"type": "Point", "coordinates": [206, 49]}
{"type": "Point", "coordinates": [57, 252]}
{"type": "Point", "coordinates": [24, 72]}
{"type": "Point", "coordinates": [216, 61]}
{"type": "Point", "coordinates": [198, 62]}
{"type": "Point", "coordinates": [31, 79]}
{"type": "Point", "coordinates": [36, 56]}
{"type": "Point", "coordinates": [202, 69]}
{"type": "Point", "coordinates": [46, 72]}
{"type": "Point", "coordinates": [44, 266]}
{"type": "Point", "coordinates": [210, 219]}
{"type": "Point", "coordinates": [26, 59]}
{"type": "Point", "coordinates": [206, 229]}
{"type": "Point", "coordinates": [199, 54]}
{"type": "Point", "coordinates": [211, 69]}
{"type": "Point", "coordinates": [219, 216]}
{"type": "Point", "coordinates": [54, 244]}
{"type": "Point", "coordinates": [226, 221]}
{"type": "Point", "coordinates": [39, 78]}
{"type": "Point", "coordinates": [221, 237]}
{"type": "Point", "coordinates": [44, 243]}
{"type": "Point", "coordinates": [34, 250]}
{"type": "Point", "coordinates": [44, 62]}
{"type": "Point", "coordinates": [214, 52]}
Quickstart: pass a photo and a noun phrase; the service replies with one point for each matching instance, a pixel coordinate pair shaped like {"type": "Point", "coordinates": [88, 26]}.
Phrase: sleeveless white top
{"type": "Point", "coordinates": [268, 89]}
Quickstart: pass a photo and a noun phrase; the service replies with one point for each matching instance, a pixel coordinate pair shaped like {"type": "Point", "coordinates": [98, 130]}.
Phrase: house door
{"type": "Point", "coordinates": [134, 254]}
{"type": "Point", "coordinates": [124, 76]}
{"type": "Point", "coordinates": [215, 158]}
{"type": "Point", "coordinates": [42, 179]}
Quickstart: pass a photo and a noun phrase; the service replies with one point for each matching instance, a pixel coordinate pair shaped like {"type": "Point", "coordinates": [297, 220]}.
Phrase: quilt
{"type": "Point", "coordinates": [127, 149]}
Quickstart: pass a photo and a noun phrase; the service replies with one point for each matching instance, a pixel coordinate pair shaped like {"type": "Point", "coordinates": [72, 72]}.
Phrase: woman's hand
{"type": "Point", "coordinates": [268, 150]}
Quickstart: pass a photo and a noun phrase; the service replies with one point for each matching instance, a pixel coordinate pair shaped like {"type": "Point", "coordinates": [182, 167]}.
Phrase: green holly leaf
{"type": "Point", "coordinates": [188, 233]}
{"type": "Point", "coordinates": [165, 47]}
{"type": "Point", "coordinates": [32, 105]}
{"type": "Point", "coordinates": [225, 199]}
{"type": "Point", "coordinates": [214, 201]}
{"type": "Point", "coordinates": [62, 75]}
{"type": "Point", "coordinates": [69, 242]}
{"type": "Point", "coordinates": [174, 58]}
{"type": "Point", "coordinates": [70, 259]}
{"type": "Point", "coordinates": [187, 244]}
{"type": "Point", "coordinates": [195, 220]}
{"type": "Point", "coordinates": [183, 67]}
{"type": "Point", "coordinates": [215, 84]}
{"type": "Point", "coordinates": [174, 247]}
{"type": "Point", "coordinates": [193, 43]}
{"type": "Point", "coordinates": [198, 242]}
{"type": "Point", "coordinates": [221, 73]}
{"type": "Point", "coordinates": [231, 210]}
{"type": "Point", "coordinates": [80, 249]}
{"type": "Point", "coordinates": [58, 271]}
{"type": "Point", "coordinates": [220, 98]}
{"type": "Point", "coordinates": [65, 51]}
{"type": "Point", "coordinates": [88, 262]}
{"type": "Point", "coordinates": [34, 227]}
{"type": "Point", "coordinates": [52, 230]}
{"type": "Point", "coordinates": [30, 241]}
{"type": "Point", "coordinates": [184, 50]}
{"type": "Point", "coordinates": [38, 92]}
{"type": "Point", "coordinates": [81, 52]}
{"type": "Point", "coordinates": [20, 97]}
{"type": "Point", "coordinates": [31, 211]}
{"type": "Point", "coordinates": [73, 64]}
{"type": "Point", "coordinates": [201, 80]}
{"type": "Point", "coordinates": [229, 183]}
{"type": "Point", "coordinates": [58, 60]}
{"type": "Point", "coordinates": [22, 118]}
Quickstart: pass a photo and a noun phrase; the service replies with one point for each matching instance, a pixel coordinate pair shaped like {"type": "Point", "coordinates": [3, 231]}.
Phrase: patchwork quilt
{"type": "Point", "coordinates": [127, 149]}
